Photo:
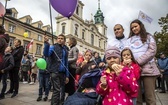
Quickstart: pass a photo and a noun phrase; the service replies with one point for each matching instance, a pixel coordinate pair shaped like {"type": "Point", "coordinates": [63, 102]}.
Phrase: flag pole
{"type": "Point", "coordinates": [51, 23]}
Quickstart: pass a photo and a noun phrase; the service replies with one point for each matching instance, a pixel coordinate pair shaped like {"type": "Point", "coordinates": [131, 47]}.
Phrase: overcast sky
{"type": "Point", "coordinates": [115, 11]}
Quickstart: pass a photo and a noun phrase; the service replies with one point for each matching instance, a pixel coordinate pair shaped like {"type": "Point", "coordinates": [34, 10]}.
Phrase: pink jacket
{"type": "Point", "coordinates": [118, 87]}
{"type": "Point", "coordinates": [144, 54]}
{"type": "Point", "coordinates": [136, 70]}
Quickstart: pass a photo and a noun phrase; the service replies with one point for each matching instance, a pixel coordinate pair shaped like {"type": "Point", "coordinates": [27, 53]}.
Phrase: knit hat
{"type": "Point", "coordinates": [112, 51]}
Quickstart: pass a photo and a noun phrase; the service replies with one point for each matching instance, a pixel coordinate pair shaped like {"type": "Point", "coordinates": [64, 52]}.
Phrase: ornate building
{"type": "Point", "coordinates": [89, 34]}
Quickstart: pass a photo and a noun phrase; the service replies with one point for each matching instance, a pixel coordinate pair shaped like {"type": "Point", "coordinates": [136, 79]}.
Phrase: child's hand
{"type": "Point", "coordinates": [84, 63]}
{"type": "Point", "coordinates": [127, 62]}
{"type": "Point", "coordinates": [103, 80]}
{"type": "Point", "coordinates": [117, 68]}
{"type": "Point", "coordinates": [102, 64]}
{"type": "Point", "coordinates": [93, 66]}
{"type": "Point", "coordinates": [66, 80]}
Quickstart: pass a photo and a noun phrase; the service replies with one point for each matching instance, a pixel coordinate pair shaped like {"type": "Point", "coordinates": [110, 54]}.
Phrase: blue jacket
{"type": "Point", "coordinates": [57, 55]}
{"type": "Point", "coordinates": [163, 64]}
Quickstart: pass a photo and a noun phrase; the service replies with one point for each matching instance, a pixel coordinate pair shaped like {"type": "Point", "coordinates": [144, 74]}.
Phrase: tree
{"type": "Point", "coordinates": [162, 37]}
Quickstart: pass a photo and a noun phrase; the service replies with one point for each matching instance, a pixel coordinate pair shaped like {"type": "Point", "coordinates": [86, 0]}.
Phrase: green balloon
{"type": "Point", "coordinates": [41, 64]}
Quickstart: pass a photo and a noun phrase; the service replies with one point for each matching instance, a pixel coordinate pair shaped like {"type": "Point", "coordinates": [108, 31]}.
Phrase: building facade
{"type": "Point", "coordinates": [16, 28]}
{"type": "Point", "coordinates": [90, 34]}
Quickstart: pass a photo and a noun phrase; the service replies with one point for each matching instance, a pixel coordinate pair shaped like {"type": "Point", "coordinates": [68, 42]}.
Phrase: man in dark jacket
{"type": "Point", "coordinates": [13, 74]}
{"type": "Point", "coordinates": [8, 65]}
{"type": "Point", "coordinates": [58, 66]}
{"type": "Point", "coordinates": [163, 66]}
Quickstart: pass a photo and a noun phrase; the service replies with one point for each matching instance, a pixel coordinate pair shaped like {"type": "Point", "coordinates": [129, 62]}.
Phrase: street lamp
{"type": "Point", "coordinates": [3, 19]}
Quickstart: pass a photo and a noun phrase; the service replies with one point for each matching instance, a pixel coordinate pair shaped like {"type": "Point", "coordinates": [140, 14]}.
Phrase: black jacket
{"type": "Point", "coordinates": [53, 63]}
{"type": "Point", "coordinates": [8, 62]}
{"type": "Point", "coordinates": [18, 54]}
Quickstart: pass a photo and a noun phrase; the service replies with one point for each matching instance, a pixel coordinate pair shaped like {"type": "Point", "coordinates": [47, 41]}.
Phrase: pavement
{"type": "Point", "coordinates": [29, 93]}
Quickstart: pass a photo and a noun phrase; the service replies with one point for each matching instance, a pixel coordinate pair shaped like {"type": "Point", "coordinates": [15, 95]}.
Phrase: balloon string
{"type": "Point", "coordinates": [66, 68]}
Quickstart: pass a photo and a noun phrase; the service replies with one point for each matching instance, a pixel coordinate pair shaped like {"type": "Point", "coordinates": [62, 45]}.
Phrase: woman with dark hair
{"type": "Point", "coordinates": [143, 46]}
{"type": "Point", "coordinates": [72, 58]}
{"type": "Point", "coordinates": [4, 39]}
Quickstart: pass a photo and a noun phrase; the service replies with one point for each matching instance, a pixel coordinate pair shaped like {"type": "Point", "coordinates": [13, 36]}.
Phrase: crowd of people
{"type": "Point", "coordinates": [129, 69]}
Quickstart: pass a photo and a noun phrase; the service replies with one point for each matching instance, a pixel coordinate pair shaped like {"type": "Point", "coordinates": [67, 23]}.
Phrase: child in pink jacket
{"type": "Point", "coordinates": [117, 82]}
{"type": "Point", "coordinates": [127, 59]}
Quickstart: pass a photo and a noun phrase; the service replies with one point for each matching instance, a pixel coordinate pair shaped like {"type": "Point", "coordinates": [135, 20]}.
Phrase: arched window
{"type": "Point", "coordinates": [92, 39]}
{"type": "Point", "coordinates": [76, 29]}
{"type": "Point", "coordinates": [77, 10]}
{"type": "Point", "coordinates": [63, 27]}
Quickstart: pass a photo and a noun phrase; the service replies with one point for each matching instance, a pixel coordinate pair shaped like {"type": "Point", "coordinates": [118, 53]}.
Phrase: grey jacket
{"type": "Point", "coordinates": [73, 56]}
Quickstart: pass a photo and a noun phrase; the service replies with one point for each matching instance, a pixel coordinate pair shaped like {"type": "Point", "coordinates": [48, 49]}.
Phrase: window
{"type": "Point", "coordinates": [39, 26]}
{"type": "Point", "coordinates": [29, 33]}
{"type": "Point", "coordinates": [104, 31]}
{"type": "Point", "coordinates": [11, 41]}
{"type": "Point", "coordinates": [38, 49]}
{"type": "Point", "coordinates": [92, 29]}
{"type": "Point", "coordinates": [104, 44]}
{"type": "Point", "coordinates": [25, 43]}
{"type": "Point", "coordinates": [39, 38]}
{"type": "Point", "coordinates": [77, 10]}
{"type": "Point", "coordinates": [12, 28]}
{"type": "Point", "coordinates": [48, 29]}
{"type": "Point", "coordinates": [92, 39]}
{"type": "Point", "coordinates": [63, 29]}
{"type": "Point", "coordinates": [28, 21]}
{"type": "Point", "coordinates": [83, 34]}
{"type": "Point", "coordinates": [76, 29]}
{"type": "Point", "coordinates": [99, 42]}
{"type": "Point", "coordinates": [13, 15]}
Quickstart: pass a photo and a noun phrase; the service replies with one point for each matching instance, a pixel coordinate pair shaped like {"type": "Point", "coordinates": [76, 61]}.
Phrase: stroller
{"type": "Point", "coordinates": [85, 94]}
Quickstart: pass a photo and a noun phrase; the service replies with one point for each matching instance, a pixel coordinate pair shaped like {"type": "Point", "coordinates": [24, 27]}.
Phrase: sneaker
{"type": "Point", "coordinates": [25, 82]}
{"type": "Point", "coordinates": [31, 83]}
{"type": "Point", "coordinates": [39, 98]}
{"type": "Point", "coordinates": [162, 92]}
{"type": "Point", "coordinates": [13, 95]}
{"type": "Point", "coordinates": [8, 92]}
{"type": "Point", "coordinates": [45, 98]}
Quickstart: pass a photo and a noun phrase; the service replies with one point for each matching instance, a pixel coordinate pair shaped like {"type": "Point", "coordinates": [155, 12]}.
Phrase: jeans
{"type": "Point", "coordinates": [25, 76]}
{"type": "Point", "coordinates": [43, 84]}
{"type": "Point", "coordinates": [58, 82]}
{"type": "Point", "coordinates": [164, 78]}
{"type": "Point", "coordinates": [3, 77]}
{"type": "Point", "coordinates": [134, 101]}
